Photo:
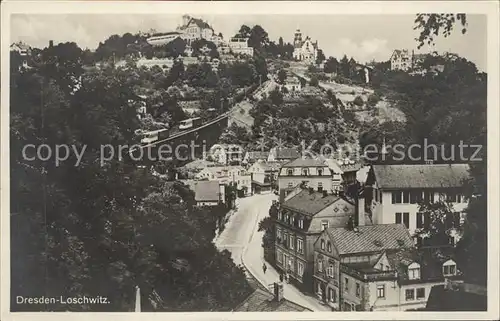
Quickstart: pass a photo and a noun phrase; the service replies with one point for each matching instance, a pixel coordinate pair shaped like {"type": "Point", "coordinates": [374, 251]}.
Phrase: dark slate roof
{"type": "Point", "coordinates": [421, 176]}
{"type": "Point", "coordinates": [442, 299]}
{"type": "Point", "coordinates": [263, 301]}
{"type": "Point", "coordinates": [306, 162]}
{"type": "Point", "coordinates": [371, 238]}
{"type": "Point", "coordinates": [430, 259]}
{"type": "Point", "coordinates": [258, 155]}
{"type": "Point", "coordinates": [310, 203]}
{"type": "Point", "coordinates": [287, 153]}
{"type": "Point", "coordinates": [271, 166]}
{"type": "Point", "coordinates": [200, 23]}
{"type": "Point", "coordinates": [206, 191]}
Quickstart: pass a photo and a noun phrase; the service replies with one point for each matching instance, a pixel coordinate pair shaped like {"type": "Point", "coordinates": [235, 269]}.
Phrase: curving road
{"type": "Point", "coordinates": [242, 239]}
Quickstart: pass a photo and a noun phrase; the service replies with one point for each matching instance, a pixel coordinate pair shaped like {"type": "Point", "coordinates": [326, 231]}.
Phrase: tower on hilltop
{"type": "Point", "coordinates": [297, 40]}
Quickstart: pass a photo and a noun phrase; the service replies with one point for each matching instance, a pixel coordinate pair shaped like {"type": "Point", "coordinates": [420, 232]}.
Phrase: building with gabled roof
{"type": "Point", "coordinates": [302, 216]}
{"type": "Point", "coordinates": [314, 172]}
{"type": "Point", "coordinates": [368, 268]}
{"type": "Point", "coordinates": [264, 301]}
{"type": "Point", "coordinates": [207, 193]}
{"type": "Point", "coordinates": [304, 50]}
{"type": "Point", "coordinates": [393, 193]}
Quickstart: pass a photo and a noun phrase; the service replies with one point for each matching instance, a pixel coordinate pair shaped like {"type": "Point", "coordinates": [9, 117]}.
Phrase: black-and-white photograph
{"type": "Point", "coordinates": [214, 162]}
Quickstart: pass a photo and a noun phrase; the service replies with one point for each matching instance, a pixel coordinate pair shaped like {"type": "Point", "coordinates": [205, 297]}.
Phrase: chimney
{"type": "Point", "coordinates": [51, 43]}
{"type": "Point", "coordinates": [282, 195]}
{"type": "Point", "coordinates": [278, 291]}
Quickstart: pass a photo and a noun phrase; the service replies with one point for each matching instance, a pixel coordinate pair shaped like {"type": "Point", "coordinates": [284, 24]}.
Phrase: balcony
{"type": "Point", "coordinates": [369, 276]}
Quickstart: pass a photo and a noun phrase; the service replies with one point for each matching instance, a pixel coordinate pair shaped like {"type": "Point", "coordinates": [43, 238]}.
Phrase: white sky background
{"type": "Point", "coordinates": [364, 37]}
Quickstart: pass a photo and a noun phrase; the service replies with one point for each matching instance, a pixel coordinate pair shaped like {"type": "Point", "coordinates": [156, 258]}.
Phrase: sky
{"type": "Point", "coordinates": [363, 37]}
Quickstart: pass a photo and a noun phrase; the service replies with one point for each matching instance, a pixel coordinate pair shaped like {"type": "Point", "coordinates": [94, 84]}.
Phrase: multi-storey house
{"type": "Point", "coordinates": [304, 50]}
{"type": "Point", "coordinates": [254, 156]}
{"type": "Point", "coordinates": [362, 247]}
{"type": "Point", "coordinates": [302, 216]}
{"type": "Point", "coordinates": [314, 172]}
{"type": "Point", "coordinates": [240, 46]}
{"type": "Point", "coordinates": [393, 194]}
{"type": "Point", "coordinates": [195, 29]}
{"type": "Point", "coordinates": [264, 175]}
{"type": "Point", "coordinates": [401, 60]}
{"type": "Point", "coordinates": [227, 175]}
{"type": "Point", "coordinates": [283, 154]}
{"type": "Point", "coordinates": [227, 154]}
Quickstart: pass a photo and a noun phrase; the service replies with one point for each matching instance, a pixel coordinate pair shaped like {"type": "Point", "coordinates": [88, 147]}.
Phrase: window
{"type": "Point", "coordinates": [396, 197]}
{"type": "Point", "coordinates": [381, 291]}
{"type": "Point", "coordinates": [322, 244]}
{"type": "Point", "coordinates": [300, 246]}
{"type": "Point", "coordinates": [329, 271]}
{"type": "Point", "coordinates": [376, 195]}
{"type": "Point", "coordinates": [300, 268]}
{"type": "Point", "coordinates": [280, 257]}
{"type": "Point", "coordinates": [320, 172]}
{"type": "Point", "coordinates": [329, 246]}
{"type": "Point", "coordinates": [292, 239]}
{"type": "Point", "coordinates": [287, 218]}
{"type": "Point", "coordinates": [320, 187]}
{"type": "Point", "coordinates": [324, 225]}
{"type": "Point", "coordinates": [278, 234]}
{"type": "Point", "coordinates": [289, 172]}
{"type": "Point", "coordinates": [421, 293]}
{"type": "Point", "coordinates": [398, 218]}
{"type": "Point", "coordinates": [410, 294]}
{"type": "Point", "coordinates": [301, 223]}
{"type": "Point", "coordinates": [406, 219]}
{"type": "Point", "coordinates": [305, 172]}
{"type": "Point", "coordinates": [280, 216]}
{"type": "Point", "coordinates": [320, 265]}
{"type": "Point", "coordinates": [420, 220]}
{"type": "Point", "coordinates": [415, 196]}
{"type": "Point", "coordinates": [358, 290]}
{"type": "Point", "coordinates": [449, 270]}
{"type": "Point", "coordinates": [406, 197]}
{"type": "Point", "coordinates": [332, 295]}
{"type": "Point", "coordinates": [429, 196]}
{"type": "Point", "coordinates": [346, 285]}
{"type": "Point", "coordinates": [381, 267]}
{"type": "Point", "coordinates": [414, 273]}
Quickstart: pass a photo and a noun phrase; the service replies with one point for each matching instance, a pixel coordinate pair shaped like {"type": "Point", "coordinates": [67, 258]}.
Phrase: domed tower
{"type": "Point", "coordinates": [297, 40]}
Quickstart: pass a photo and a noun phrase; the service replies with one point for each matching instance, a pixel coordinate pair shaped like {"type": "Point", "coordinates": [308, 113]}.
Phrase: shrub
{"type": "Point", "coordinates": [358, 101]}
{"type": "Point", "coordinates": [314, 81]}
{"type": "Point", "coordinates": [373, 99]}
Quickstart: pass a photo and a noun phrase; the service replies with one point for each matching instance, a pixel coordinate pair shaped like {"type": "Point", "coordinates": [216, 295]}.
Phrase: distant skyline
{"type": "Point", "coordinates": [363, 37]}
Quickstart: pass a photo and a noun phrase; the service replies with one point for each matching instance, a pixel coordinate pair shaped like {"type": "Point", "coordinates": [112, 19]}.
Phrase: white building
{"type": "Point", "coordinates": [396, 191]}
{"type": "Point", "coordinates": [315, 173]}
{"type": "Point", "coordinates": [240, 46]}
{"type": "Point", "coordinates": [195, 29]}
{"type": "Point", "coordinates": [304, 50]}
{"type": "Point", "coordinates": [226, 175]}
{"type": "Point", "coordinates": [227, 154]}
{"type": "Point", "coordinates": [164, 38]}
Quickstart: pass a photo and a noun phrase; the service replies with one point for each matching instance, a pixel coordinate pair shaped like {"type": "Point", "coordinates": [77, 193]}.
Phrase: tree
{"type": "Point", "coordinates": [320, 57]}
{"type": "Point", "coordinates": [345, 68]}
{"type": "Point", "coordinates": [439, 220]}
{"type": "Point", "coordinates": [358, 101]}
{"type": "Point", "coordinates": [431, 25]}
{"type": "Point", "coordinates": [281, 76]}
{"type": "Point", "coordinates": [267, 225]}
{"type": "Point", "coordinates": [314, 81]}
{"type": "Point", "coordinates": [104, 226]}
{"type": "Point", "coordinates": [331, 65]}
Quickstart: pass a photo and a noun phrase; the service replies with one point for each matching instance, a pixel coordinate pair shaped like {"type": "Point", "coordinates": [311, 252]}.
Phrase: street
{"type": "Point", "coordinates": [242, 239]}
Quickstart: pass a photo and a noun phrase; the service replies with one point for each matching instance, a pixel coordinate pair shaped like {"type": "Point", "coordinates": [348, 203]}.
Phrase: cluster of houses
{"type": "Point", "coordinates": [407, 61]}
{"type": "Point", "coordinates": [357, 249]}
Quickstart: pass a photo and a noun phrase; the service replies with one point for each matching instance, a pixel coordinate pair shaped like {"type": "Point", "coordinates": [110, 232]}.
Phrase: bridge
{"type": "Point", "coordinates": [183, 146]}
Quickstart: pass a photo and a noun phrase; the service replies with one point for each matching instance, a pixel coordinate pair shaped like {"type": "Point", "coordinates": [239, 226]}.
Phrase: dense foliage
{"type": "Point", "coordinates": [102, 229]}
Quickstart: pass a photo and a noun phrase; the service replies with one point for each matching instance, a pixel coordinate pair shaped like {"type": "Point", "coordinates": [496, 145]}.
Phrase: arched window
{"type": "Point", "coordinates": [329, 246]}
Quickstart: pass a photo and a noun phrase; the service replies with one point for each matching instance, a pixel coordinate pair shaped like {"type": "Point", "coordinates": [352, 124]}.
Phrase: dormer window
{"type": "Point", "coordinates": [305, 172]}
{"type": "Point", "coordinates": [289, 172]}
{"type": "Point", "coordinates": [414, 271]}
{"type": "Point", "coordinates": [320, 172]}
{"type": "Point", "coordinates": [449, 268]}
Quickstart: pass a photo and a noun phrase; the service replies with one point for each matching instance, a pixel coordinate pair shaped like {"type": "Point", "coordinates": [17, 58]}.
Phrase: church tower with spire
{"type": "Point", "coordinates": [297, 40]}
